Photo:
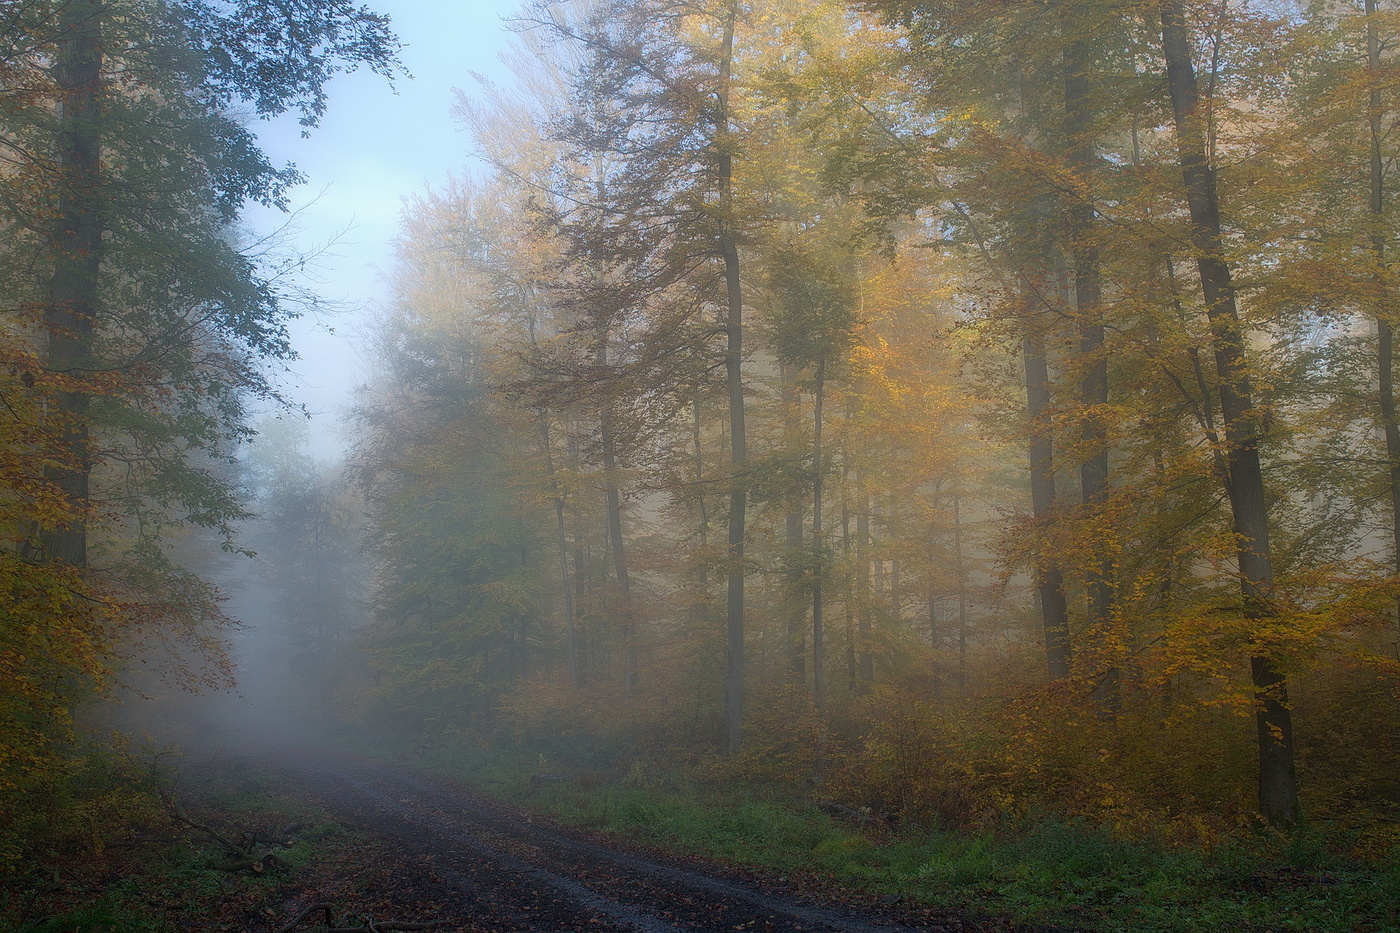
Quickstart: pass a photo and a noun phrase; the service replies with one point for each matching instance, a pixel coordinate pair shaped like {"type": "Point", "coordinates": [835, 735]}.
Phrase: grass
{"type": "Point", "coordinates": [1042, 872]}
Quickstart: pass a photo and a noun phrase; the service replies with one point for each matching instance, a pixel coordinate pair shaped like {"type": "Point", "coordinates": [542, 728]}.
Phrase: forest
{"type": "Point", "coordinates": [967, 413]}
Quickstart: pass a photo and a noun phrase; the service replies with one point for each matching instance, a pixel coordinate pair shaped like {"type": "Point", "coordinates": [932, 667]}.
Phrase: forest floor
{"type": "Point", "coordinates": [487, 866]}
{"type": "Point", "coordinates": [387, 842]}
{"type": "Point", "coordinates": [386, 846]}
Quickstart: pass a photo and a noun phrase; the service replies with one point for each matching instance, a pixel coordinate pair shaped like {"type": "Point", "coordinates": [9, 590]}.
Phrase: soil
{"type": "Point", "coordinates": [439, 852]}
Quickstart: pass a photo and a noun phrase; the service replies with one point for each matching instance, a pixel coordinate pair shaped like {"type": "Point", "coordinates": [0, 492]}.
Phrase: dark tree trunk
{"type": "Point", "coordinates": [617, 542]}
{"type": "Point", "coordinates": [1278, 790]}
{"type": "Point", "coordinates": [865, 676]}
{"type": "Point", "coordinates": [1385, 333]}
{"type": "Point", "coordinates": [76, 245]}
{"type": "Point", "coordinates": [962, 594]}
{"type": "Point", "coordinates": [1088, 294]}
{"type": "Point", "coordinates": [1093, 358]}
{"type": "Point", "coordinates": [819, 572]}
{"type": "Point", "coordinates": [587, 659]}
{"type": "Point", "coordinates": [1049, 581]}
{"type": "Point", "coordinates": [936, 668]}
{"type": "Point", "coordinates": [794, 637]}
{"type": "Point", "coordinates": [562, 540]}
{"type": "Point", "coordinates": [703, 518]}
{"type": "Point", "coordinates": [618, 545]}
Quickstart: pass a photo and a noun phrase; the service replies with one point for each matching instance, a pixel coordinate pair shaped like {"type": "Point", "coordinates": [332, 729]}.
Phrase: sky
{"type": "Point", "coordinates": [375, 145]}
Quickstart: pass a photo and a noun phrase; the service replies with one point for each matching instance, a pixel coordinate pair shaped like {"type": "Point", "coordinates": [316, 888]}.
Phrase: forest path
{"type": "Point", "coordinates": [491, 868]}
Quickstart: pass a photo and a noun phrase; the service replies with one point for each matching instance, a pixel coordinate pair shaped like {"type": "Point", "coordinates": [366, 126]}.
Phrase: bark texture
{"type": "Point", "coordinates": [1278, 786]}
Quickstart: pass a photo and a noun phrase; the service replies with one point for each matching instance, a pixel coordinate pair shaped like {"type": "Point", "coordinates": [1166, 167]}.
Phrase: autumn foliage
{"type": "Point", "coordinates": [1002, 557]}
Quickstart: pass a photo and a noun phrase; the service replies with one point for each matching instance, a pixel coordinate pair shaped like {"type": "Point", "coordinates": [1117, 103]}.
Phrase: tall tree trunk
{"type": "Point", "coordinates": [1088, 296]}
{"type": "Point", "coordinates": [734, 383]}
{"type": "Point", "coordinates": [794, 638]}
{"type": "Point", "coordinates": [562, 540]}
{"type": "Point", "coordinates": [586, 659]}
{"type": "Point", "coordinates": [703, 583]}
{"type": "Point", "coordinates": [962, 594]}
{"type": "Point", "coordinates": [865, 660]}
{"type": "Point", "coordinates": [896, 596]}
{"type": "Point", "coordinates": [631, 652]}
{"type": "Point", "coordinates": [819, 573]}
{"type": "Point", "coordinates": [1385, 333]}
{"type": "Point", "coordinates": [76, 246]}
{"type": "Point", "coordinates": [933, 638]}
{"type": "Point", "coordinates": [1278, 787]}
{"type": "Point", "coordinates": [846, 559]}
{"type": "Point", "coordinates": [1049, 581]}
{"type": "Point", "coordinates": [1093, 358]}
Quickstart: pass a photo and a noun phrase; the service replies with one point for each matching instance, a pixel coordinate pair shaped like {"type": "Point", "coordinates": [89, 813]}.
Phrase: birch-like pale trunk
{"type": "Point", "coordinates": [734, 385]}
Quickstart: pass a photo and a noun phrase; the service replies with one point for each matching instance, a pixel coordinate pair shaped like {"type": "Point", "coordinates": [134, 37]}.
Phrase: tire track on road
{"type": "Point", "coordinates": [534, 878]}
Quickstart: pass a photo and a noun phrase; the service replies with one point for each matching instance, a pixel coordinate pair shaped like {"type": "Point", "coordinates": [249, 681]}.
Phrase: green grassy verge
{"type": "Point", "coordinates": [1042, 872]}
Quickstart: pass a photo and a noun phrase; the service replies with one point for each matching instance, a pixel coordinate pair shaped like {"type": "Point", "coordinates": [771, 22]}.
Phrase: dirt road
{"type": "Point", "coordinates": [489, 868]}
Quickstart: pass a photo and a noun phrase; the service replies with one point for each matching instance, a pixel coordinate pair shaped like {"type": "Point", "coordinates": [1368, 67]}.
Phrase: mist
{"type": "Point", "coordinates": [961, 427]}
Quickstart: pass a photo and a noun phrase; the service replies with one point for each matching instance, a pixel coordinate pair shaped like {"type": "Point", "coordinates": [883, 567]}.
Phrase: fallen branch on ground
{"type": "Point", "coordinates": [246, 856]}
{"type": "Point", "coordinates": [370, 926]}
{"type": "Point", "coordinates": [256, 865]}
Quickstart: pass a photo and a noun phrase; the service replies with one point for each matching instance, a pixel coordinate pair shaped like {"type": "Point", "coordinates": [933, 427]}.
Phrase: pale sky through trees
{"type": "Point", "coordinates": [375, 145]}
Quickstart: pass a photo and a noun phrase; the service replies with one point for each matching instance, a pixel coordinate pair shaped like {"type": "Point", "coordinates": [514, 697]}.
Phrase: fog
{"type": "Point", "coordinates": [729, 387]}
{"type": "Point", "coordinates": [376, 145]}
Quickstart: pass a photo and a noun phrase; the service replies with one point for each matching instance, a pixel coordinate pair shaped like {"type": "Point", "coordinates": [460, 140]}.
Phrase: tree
{"type": "Point", "coordinates": [1278, 790]}
{"type": "Point", "coordinates": [445, 468]}
{"type": "Point", "coordinates": [654, 102]}
{"type": "Point", "coordinates": [813, 329]}
{"type": "Point", "coordinates": [310, 555]}
{"type": "Point", "coordinates": [138, 328]}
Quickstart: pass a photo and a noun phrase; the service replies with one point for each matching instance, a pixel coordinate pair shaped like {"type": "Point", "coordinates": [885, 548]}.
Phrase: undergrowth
{"type": "Point", "coordinates": [145, 874]}
{"type": "Point", "coordinates": [1038, 869]}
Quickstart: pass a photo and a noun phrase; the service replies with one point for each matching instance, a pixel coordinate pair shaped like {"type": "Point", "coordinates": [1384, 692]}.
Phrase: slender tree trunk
{"type": "Point", "coordinates": [586, 659]}
{"type": "Point", "coordinates": [1278, 788]}
{"type": "Point", "coordinates": [1088, 296]}
{"type": "Point", "coordinates": [880, 588]}
{"type": "Point", "coordinates": [896, 597]}
{"type": "Point", "coordinates": [865, 661]}
{"type": "Point", "coordinates": [933, 638]}
{"type": "Point", "coordinates": [734, 382]}
{"type": "Point", "coordinates": [797, 614]}
{"type": "Point", "coordinates": [819, 573]}
{"type": "Point", "coordinates": [1093, 358]}
{"type": "Point", "coordinates": [704, 516]}
{"type": "Point", "coordinates": [962, 594]}
{"type": "Point", "coordinates": [1385, 333]}
{"type": "Point", "coordinates": [76, 246]}
{"type": "Point", "coordinates": [794, 638]}
{"type": "Point", "coordinates": [618, 544]}
{"type": "Point", "coordinates": [562, 540]}
{"type": "Point", "coordinates": [522, 632]}
{"type": "Point", "coordinates": [1049, 581]}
